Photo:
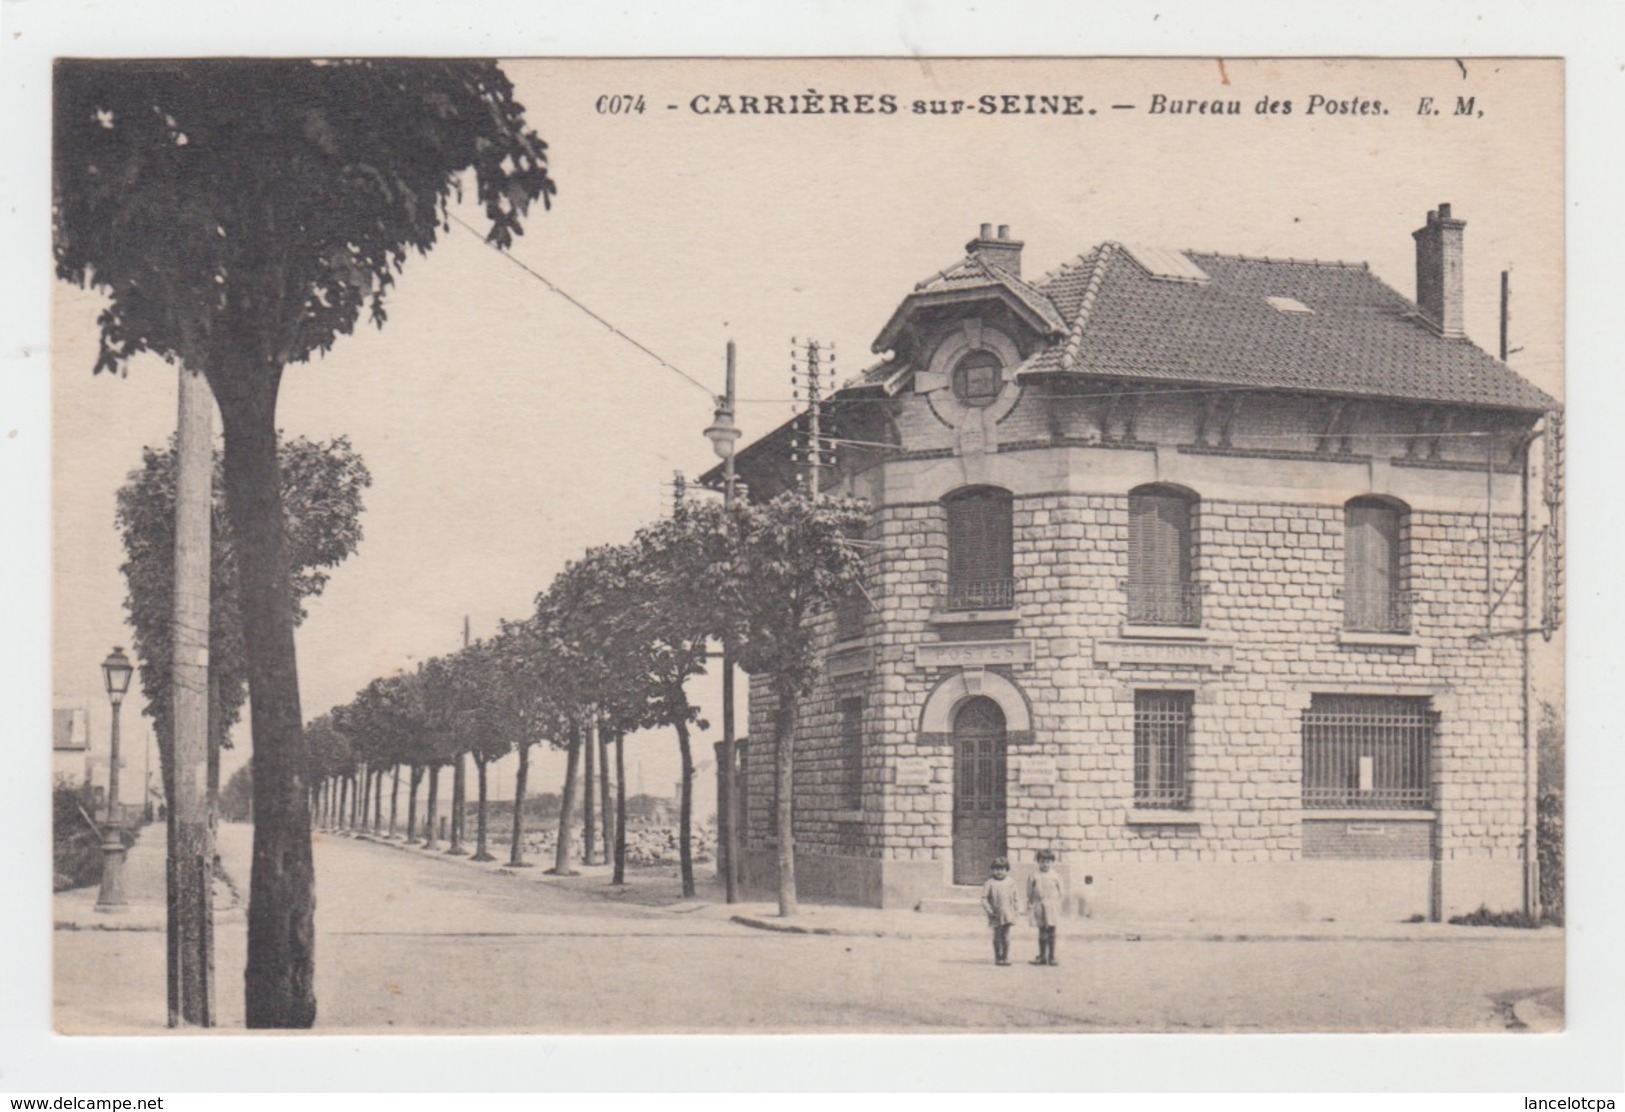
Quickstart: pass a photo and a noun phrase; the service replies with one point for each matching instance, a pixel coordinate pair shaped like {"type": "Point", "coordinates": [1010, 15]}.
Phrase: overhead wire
{"type": "Point", "coordinates": [565, 294]}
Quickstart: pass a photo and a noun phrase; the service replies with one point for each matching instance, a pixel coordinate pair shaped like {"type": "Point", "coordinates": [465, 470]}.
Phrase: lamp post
{"type": "Point", "coordinates": [723, 435]}
{"type": "Point", "coordinates": [116, 673]}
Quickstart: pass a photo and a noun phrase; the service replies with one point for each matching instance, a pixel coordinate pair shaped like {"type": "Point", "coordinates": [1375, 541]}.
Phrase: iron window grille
{"type": "Point", "coordinates": [1372, 751]}
{"type": "Point", "coordinates": [1162, 731]}
{"type": "Point", "coordinates": [1377, 610]}
{"type": "Point", "coordinates": [1165, 604]}
{"type": "Point", "coordinates": [981, 594]}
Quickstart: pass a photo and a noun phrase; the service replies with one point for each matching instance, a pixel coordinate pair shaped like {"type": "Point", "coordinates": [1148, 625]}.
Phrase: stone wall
{"type": "Point", "coordinates": [1271, 572]}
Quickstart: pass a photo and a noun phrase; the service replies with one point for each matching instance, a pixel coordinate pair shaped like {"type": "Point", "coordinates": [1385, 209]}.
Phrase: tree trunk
{"type": "Point", "coordinates": [480, 852]}
{"type": "Point", "coordinates": [432, 809]}
{"type": "Point", "coordinates": [785, 714]}
{"type": "Point", "coordinates": [516, 846]}
{"type": "Point", "coordinates": [458, 804]}
{"type": "Point", "coordinates": [603, 783]}
{"type": "Point", "coordinates": [378, 801]}
{"type": "Point", "coordinates": [394, 798]}
{"type": "Point", "coordinates": [685, 811]}
{"type": "Point", "coordinates": [620, 808]}
{"type": "Point", "coordinates": [279, 982]}
{"type": "Point", "coordinates": [589, 803]}
{"type": "Point", "coordinates": [412, 803]}
{"type": "Point", "coordinates": [567, 806]}
{"type": "Point", "coordinates": [344, 802]}
{"type": "Point", "coordinates": [192, 702]}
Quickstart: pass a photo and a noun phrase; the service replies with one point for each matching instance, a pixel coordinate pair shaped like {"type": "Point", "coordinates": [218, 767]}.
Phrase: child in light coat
{"type": "Point", "coordinates": [1045, 895]}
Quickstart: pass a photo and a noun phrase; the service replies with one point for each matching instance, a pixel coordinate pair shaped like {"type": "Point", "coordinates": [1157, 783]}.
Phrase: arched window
{"type": "Point", "coordinates": [980, 561]}
{"type": "Point", "coordinates": [1162, 586]}
{"type": "Point", "coordinates": [1376, 594]}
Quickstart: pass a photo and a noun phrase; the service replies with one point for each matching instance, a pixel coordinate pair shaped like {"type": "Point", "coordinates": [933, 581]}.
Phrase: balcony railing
{"type": "Point", "coordinates": [1165, 604]}
{"type": "Point", "coordinates": [980, 594]}
{"type": "Point", "coordinates": [1377, 611]}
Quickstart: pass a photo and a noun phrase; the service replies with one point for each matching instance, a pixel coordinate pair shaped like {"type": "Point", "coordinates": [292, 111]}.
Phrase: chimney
{"type": "Point", "coordinates": [1439, 272]}
{"type": "Point", "coordinates": [1002, 251]}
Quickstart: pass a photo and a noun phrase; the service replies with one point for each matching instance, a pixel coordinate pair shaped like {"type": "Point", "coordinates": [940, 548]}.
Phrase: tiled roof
{"type": "Point", "coordinates": [1359, 337]}
{"type": "Point", "coordinates": [970, 274]}
{"type": "Point", "coordinates": [974, 270]}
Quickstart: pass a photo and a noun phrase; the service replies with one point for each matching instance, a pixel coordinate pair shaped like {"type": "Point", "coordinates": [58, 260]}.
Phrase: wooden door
{"type": "Point", "coordinates": [979, 789]}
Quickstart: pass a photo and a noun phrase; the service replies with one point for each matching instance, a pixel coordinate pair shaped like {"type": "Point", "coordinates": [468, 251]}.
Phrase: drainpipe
{"type": "Point", "coordinates": [1531, 746]}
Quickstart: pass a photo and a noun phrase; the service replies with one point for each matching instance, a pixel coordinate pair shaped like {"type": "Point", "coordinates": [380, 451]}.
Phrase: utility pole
{"type": "Point", "coordinates": [459, 794]}
{"type": "Point", "coordinates": [191, 841]}
{"type": "Point", "coordinates": [730, 786]}
{"type": "Point", "coordinates": [814, 405]}
{"type": "Point", "coordinates": [1506, 310]}
{"type": "Point", "coordinates": [723, 434]}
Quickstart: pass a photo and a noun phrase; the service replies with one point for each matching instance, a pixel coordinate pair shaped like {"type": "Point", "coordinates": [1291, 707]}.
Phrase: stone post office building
{"type": "Point", "coordinates": [1180, 565]}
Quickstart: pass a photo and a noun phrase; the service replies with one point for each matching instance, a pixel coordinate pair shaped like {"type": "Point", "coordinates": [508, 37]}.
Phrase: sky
{"type": "Point", "coordinates": [797, 234]}
{"type": "Point", "coordinates": [507, 430]}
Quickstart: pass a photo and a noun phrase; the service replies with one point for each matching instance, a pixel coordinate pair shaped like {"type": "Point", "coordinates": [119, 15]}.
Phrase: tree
{"type": "Point", "coordinates": [587, 644]}
{"type": "Point", "coordinates": [792, 558]}
{"type": "Point", "coordinates": [331, 759]}
{"type": "Point", "coordinates": [237, 797]}
{"type": "Point", "coordinates": [671, 577]}
{"type": "Point", "coordinates": [520, 656]}
{"type": "Point", "coordinates": [479, 720]}
{"type": "Point", "coordinates": [240, 215]}
{"type": "Point", "coordinates": [322, 484]}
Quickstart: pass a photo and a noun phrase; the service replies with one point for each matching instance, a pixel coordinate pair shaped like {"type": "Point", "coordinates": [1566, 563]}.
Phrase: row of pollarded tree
{"type": "Point", "coordinates": [609, 650]}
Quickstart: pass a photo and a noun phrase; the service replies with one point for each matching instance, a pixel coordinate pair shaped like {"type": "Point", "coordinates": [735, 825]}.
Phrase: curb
{"type": "Point", "coordinates": [784, 928]}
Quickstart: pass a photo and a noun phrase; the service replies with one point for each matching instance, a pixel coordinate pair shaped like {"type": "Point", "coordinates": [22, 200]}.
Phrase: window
{"type": "Point", "coordinates": [1162, 730]}
{"type": "Point", "coordinates": [852, 608]}
{"type": "Point", "coordinates": [1368, 751]}
{"type": "Point", "coordinates": [852, 754]}
{"type": "Point", "coordinates": [1162, 586]}
{"type": "Point", "coordinates": [1375, 594]}
{"type": "Point", "coordinates": [980, 562]}
{"type": "Point", "coordinates": [978, 377]}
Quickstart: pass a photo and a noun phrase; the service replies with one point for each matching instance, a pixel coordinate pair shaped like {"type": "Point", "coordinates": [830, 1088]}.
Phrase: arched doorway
{"type": "Point", "coordinates": [979, 788]}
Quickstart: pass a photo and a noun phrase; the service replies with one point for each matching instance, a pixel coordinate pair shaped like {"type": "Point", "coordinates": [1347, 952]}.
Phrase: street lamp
{"type": "Point", "coordinates": [724, 435]}
{"type": "Point", "coordinates": [116, 673]}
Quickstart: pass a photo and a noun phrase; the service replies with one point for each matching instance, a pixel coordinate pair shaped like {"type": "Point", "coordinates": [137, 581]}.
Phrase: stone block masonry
{"type": "Point", "coordinates": [1271, 638]}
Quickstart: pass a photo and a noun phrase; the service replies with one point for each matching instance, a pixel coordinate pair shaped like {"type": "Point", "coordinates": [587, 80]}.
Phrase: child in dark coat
{"type": "Point", "coordinates": [1001, 899]}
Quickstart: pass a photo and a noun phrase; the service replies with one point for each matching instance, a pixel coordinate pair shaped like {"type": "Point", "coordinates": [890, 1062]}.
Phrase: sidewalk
{"type": "Point", "coordinates": [659, 887]}
{"type": "Point", "coordinates": [145, 886]}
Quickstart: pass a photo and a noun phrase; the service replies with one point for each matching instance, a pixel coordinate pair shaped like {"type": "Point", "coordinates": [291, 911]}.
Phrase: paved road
{"type": "Point", "coordinates": [406, 941]}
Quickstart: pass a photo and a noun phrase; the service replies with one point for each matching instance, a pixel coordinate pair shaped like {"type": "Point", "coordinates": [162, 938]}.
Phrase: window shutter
{"type": "Point", "coordinates": [1373, 550]}
{"type": "Point", "coordinates": [980, 537]}
{"type": "Point", "coordinates": [1159, 541]}
{"type": "Point", "coordinates": [1372, 572]}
